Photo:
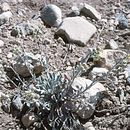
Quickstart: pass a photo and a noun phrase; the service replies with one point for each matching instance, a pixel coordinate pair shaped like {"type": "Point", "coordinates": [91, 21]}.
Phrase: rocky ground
{"type": "Point", "coordinates": [87, 42]}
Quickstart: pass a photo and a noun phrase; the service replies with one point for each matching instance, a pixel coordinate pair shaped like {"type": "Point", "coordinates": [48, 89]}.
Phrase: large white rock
{"type": "Point", "coordinates": [89, 11]}
{"type": "Point", "coordinates": [112, 57]}
{"type": "Point", "coordinates": [27, 62]}
{"type": "Point", "coordinates": [77, 30]}
{"type": "Point", "coordinates": [84, 105]}
{"type": "Point", "coordinates": [51, 15]}
{"type": "Point", "coordinates": [4, 17]}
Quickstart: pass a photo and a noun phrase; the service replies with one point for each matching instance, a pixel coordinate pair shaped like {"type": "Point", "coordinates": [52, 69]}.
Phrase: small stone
{"type": "Point", "coordinates": [28, 119]}
{"type": "Point", "coordinates": [51, 15]}
{"type": "Point", "coordinates": [47, 41]}
{"type": "Point", "coordinates": [9, 55]}
{"type": "Point", "coordinates": [98, 71]}
{"type": "Point", "coordinates": [111, 28]}
{"type": "Point", "coordinates": [112, 45]}
{"type": "Point", "coordinates": [127, 73]}
{"type": "Point", "coordinates": [76, 30]}
{"type": "Point", "coordinates": [17, 103]}
{"type": "Point", "coordinates": [111, 22]}
{"type": "Point", "coordinates": [5, 100]}
{"type": "Point", "coordinates": [106, 104]}
{"type": "Point", "coordinates": [89, 126]}
{"type": "Point", "coordinates": [0, 51]}
{"type": "Point", "coordinates": [5, 7]}
{"type": "Point", "coordinates": [19, 1]}
{"type": "Point", "coordinates": [122, 21]}
{"type": "Point", "coordinates": [1, 43]}
{"type": "Point", "coordinates": [75, 12]}
{"type": "Point", "coordinates": [4, 17]}
{"type": "Point", "coordinates": [111, 57]}
{"type": "Point", "coordinates": [89, 11]}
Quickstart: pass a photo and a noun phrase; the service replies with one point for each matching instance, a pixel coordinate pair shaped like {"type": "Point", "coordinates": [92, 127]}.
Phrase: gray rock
{"type": "Point", "coordinates": [4, 17]}
{"type": "Point", "coordinates": [90, 94]}
{"type": "Point", "coordinates": [76, 30]}
{"type": "Point", "coordinates": [51, 15]}
{"type": "Point", "coordinates": [89, 11]}
{"type": "Point", "coordinates": [27, 62]}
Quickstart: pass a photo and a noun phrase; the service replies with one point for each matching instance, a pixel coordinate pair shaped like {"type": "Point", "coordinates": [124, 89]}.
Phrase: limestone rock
{"type": "Point", "coordinates": [51, 15]}
{"type": "Point", "coordinates": [89, 11]}
{"type": "Point", "coordinates": [76, 30]}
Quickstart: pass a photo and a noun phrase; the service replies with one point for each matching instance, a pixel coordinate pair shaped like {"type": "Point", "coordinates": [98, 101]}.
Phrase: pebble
{"type": "Point", "coordinates": [9, 55]}
{"type": "Point", "coordinates": [1, 43]}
